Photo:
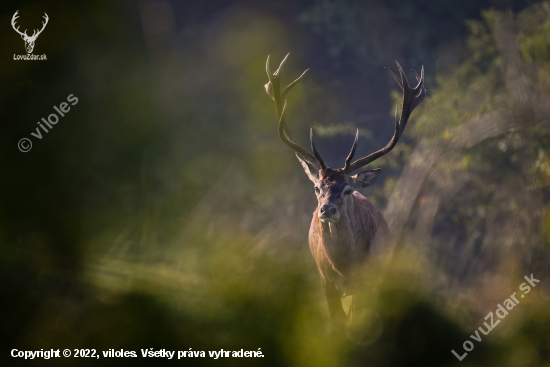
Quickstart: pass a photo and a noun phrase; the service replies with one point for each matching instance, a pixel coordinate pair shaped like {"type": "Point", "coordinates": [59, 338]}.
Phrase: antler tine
{"type": "Point", "coordinates": [273, 89]}
{"type": "Point", "coordinates": [404, 80]}
{"type": "Point", "coordinates": [411, 98]}
{"type": "Point", "coordinates": [15, 16]}
{"type": "Point", "coordinates": [418, 79]}
{"type": "Point", "coordinates": [43, 25]}
{"type": "Point", "coordinates": [281, 65]}
{"type": "Point", "coordinates": [352, 152]}
{"type": "Point", "coordinates": [268, 69]}
{"type": "Point", "coordinates": [422, 89]}
{"type": "Point", "coordinates": [289, 87]}
{"type": "Point", "coordinates": [395, 77]}
{"type": "Point", "coordinates": [315, 152]}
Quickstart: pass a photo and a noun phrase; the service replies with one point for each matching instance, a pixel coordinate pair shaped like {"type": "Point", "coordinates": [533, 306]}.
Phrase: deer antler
{"type": "Point", "coordinates": [273, 89]}
{"type": "Point", "coordinates": [37, 33]}
{"type": "Point", "coordinates": [15, 16]}
{"type": "Point", "coordinates": [411, 98]}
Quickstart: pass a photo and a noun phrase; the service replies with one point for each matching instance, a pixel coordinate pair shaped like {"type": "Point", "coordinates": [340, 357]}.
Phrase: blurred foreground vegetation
{"type": "Point", "coordinates": [163, 212]}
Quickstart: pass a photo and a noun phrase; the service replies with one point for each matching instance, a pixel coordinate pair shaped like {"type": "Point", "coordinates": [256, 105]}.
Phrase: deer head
{"type": "Point", "coordinates": [29, 40]}
{"type": "Point", "coordinates": [334, 187]}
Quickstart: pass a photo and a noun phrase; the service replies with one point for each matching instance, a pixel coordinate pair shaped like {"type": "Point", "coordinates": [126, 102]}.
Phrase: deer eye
{"type": "Point", "coordinates": [317, 190]}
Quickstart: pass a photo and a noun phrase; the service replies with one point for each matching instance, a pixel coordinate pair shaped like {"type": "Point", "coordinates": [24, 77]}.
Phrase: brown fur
{"type": "Point", "coordinates": [341, 248]}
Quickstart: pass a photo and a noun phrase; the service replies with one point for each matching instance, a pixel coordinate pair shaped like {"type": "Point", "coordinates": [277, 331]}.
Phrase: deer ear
{"type": "Point", "coordinates": [365, 178]}
{"type": "Point", "coordinates": [311, 170]}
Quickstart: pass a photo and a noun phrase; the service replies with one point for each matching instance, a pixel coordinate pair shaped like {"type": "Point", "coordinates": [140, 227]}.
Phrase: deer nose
{"type": "Point", "coordinates": [328, 209]}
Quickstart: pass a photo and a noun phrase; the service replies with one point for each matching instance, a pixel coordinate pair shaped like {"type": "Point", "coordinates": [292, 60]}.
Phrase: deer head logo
{"type": "Point", "coordinates": [29, 40]}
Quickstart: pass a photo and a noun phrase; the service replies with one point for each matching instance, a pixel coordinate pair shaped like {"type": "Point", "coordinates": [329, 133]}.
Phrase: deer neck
{"type": "Point", "coordinates": [340, 235]}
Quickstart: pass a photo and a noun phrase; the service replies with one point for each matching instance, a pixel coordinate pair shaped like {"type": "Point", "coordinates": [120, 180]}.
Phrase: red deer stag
{"type": "Point", "coordinates": [346, 226]}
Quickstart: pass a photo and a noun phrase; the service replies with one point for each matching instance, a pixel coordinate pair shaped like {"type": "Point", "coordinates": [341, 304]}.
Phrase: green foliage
{"type": "Point", "coordinates": [495, 190]}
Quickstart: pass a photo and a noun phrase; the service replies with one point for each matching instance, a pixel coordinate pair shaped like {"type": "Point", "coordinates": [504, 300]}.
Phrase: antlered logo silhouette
{"type": "Point", "coordinates": [29, 40]}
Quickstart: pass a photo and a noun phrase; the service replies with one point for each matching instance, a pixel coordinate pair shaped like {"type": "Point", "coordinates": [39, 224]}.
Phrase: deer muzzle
{"type": "Point", "coordinates": [328, 213]}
